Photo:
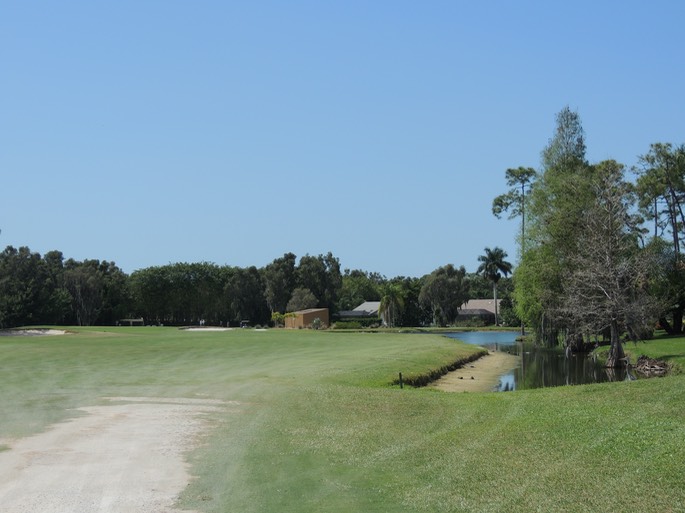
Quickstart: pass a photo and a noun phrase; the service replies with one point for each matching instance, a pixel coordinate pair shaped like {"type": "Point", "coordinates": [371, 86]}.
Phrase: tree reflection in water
{"type": "Point", "coordinates": [541, 367]}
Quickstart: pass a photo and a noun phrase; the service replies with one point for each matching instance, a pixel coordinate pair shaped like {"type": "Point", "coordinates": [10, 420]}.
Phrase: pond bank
{"type": "Point", "coordinates": [481, 375]}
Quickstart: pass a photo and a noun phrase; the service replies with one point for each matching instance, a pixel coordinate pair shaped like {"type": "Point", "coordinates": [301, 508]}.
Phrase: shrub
{"type": "Point", "coordinates": [366, 322]}
{"type": "Point", "coordinates": [347, 325]}
{"type": "Point", "coordinates": [473, 322]}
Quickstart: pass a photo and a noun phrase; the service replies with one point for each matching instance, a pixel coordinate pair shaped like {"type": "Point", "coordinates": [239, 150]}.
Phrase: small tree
{"type": "Point", "coordinates": [302, 299]}
{"type": "Point", "coordinates": [278, 319]}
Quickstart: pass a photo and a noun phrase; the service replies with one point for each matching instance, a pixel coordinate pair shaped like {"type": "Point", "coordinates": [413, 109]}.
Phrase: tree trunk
{"type": "Point", "coordinates": [678, 320]}
{"type": "Point", "coordinates": [663, 322]}
{"type": "Point", "coordinates": [494, 293]}
{"type": "Point", "coordinates": [616, 357]}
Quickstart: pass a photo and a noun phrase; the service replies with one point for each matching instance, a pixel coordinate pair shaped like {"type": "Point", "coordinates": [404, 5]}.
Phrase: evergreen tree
{"type": "Point", "coordinates": [514, 200]}
{"type": "Point", "coordinates": [661, 193]}
{"type": "Point", "coordinates": [557, 203]}
{"type": "Point", "coordinates": [443, 292]}
{"type": "Point", "coordinates": [280, 279]}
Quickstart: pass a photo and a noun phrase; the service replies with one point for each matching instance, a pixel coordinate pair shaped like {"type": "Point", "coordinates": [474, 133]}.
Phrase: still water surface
{"type": "Point", "coordinates": [540, 366]}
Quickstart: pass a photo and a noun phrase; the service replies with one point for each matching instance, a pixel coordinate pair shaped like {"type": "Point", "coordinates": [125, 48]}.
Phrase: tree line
{"type": "Point", "coordinates": [600, 254]}
{"type": "Point", "coordinates": [50, 289]}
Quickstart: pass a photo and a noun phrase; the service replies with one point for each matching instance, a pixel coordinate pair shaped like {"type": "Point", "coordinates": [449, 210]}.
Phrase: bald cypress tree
{"type": "Point", "coordinates": [606, 286]}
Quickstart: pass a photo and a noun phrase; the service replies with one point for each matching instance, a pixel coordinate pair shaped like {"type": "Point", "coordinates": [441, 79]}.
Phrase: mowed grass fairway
{"type": "Point", "coordinates": [312, 423]}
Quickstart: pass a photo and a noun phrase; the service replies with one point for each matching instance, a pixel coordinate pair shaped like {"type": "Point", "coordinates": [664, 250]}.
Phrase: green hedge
{"type": "Point", "coordinates": [356, 324]}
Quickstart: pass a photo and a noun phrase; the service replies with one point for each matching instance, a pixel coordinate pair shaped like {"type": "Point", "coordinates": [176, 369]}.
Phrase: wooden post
{"type": "Point", "coordinates": [401, 384]}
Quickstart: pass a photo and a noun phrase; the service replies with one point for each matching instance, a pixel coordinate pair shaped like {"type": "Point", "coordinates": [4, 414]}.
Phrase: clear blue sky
{"type": "Point", "coordinates": [150, 132]}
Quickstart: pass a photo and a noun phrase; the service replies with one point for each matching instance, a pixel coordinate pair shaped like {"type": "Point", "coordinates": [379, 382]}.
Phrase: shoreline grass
{"type": "Point", "coordinates": [317, 426]}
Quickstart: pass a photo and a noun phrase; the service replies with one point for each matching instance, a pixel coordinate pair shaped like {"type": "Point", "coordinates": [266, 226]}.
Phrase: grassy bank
{"type": "Point", "coordinates": [664, 347]}
{"type": "Point", "coordinates": [315, 426]}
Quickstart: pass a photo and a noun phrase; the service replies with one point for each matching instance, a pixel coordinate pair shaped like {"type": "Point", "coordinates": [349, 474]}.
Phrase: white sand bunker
{"type": "Point", "coordinates": [31, 332]}
{"type": "Point", "coordinates": [120, 458]}
{"type": "Point", "coordinates": [208, 329]}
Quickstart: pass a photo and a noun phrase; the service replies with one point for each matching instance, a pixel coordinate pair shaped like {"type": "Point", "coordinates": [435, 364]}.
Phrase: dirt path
{"type": "Point", "coordinates": [481, 375]}
{"type": "Point", "coordinates": [126, 457]}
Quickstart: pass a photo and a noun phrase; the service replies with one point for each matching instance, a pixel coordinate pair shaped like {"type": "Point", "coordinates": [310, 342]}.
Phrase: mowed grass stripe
{"type": "Point", "coordinates": [318, 427]}
{"type": "Point", "coordinates": [55, 374]}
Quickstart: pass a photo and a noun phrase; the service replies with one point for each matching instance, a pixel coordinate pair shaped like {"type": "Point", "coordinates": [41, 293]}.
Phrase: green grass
{"type": "Point", "coordinates": [318, 426]}
{"type": "Point", "coordinates": [668, 348]}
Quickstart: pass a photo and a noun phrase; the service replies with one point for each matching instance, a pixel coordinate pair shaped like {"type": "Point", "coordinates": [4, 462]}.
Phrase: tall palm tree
{"type": "Point", "coordinates": [492, 266]}
{"type": "Point", "coordinates": [392, 304]}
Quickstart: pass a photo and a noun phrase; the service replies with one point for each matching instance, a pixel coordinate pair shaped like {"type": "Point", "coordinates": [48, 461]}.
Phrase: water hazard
{"type": "Point", "coordinates": [540, 366]}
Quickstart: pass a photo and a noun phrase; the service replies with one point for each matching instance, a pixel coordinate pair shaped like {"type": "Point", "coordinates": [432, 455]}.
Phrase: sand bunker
{"type": "Point", "coordinates": [208, 329]}
{"type": "Point", "coordinates": [118, 458]}
{"type": "Point", "coordinates": [481, 375]}
{"type": "Point", "coordinates": [32, 332]}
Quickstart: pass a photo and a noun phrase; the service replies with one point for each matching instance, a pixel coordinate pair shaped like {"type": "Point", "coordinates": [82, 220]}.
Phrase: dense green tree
{"type": "Point", "coordinates": [667, 281]}
{"type": "Point", "coordinates": [661, 192]}
{"type": "Point", "coordinates": [322, 276]}
{"type": "Point", "coordinates": [557, 204]}
{"type": "Point", "coordinates": [30, 288]}
{"type": "Point", "coordinates": [443, 292]}
{"type": "Point", "coordinates": [302, 299]}
{"type": "Point", "coordinates": [99, 291]}
{"type": "Point", "coordinates": [536, 287]}
{"type": "Point", "coordinates": [116, 296]}
{"type": "Point", "coordinates": [57, 308]}
{"type": "Point", "coordinates": [280, 279]}
{"type": "Point", "coordinates": [492, 266]}
{"type": "Point", "coordinates": [359, 286]}
{"type": "Point", "coordinates": [245, 296]}
{"type": "Point", "coordinates": [85, 285]}
{"type": "Point", "coordinates": [479, 286]}
{"type": "Point", "coordinates": [566, 149]}
{"type": "Point", "coordinates": [151, 289]}
{"type": "Point", "coordinates": [661, 189]}
{"type": "Point", "coordinates": [182, 293]}
{"type": "Point", "coordinates": [507, 314]}
{"type": "Point", "coordinates": [413, 312]}
{"type": "Point", "coordinates": [201, 288]}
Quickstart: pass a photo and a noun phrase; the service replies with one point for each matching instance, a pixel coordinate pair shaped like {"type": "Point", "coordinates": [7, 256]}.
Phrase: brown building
{"type": "Point", "coordinates": [305, 318]}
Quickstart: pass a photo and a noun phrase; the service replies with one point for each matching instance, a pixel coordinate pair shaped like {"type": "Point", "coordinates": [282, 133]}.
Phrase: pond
{"type": "Point", "coordinates": [540, 366]}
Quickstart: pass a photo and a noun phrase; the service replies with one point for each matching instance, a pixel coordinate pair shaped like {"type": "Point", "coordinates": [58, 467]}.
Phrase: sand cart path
{"type": "Point", "coordinates": [126, 457]}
